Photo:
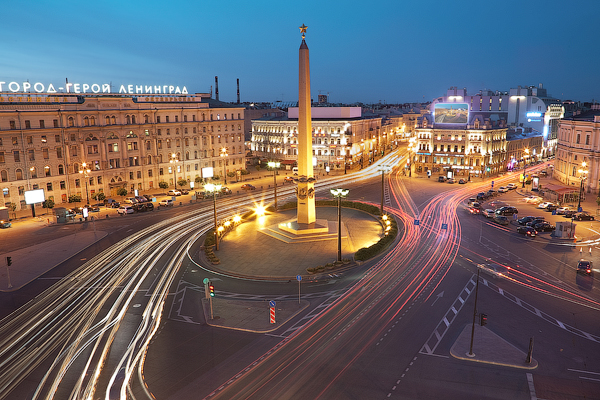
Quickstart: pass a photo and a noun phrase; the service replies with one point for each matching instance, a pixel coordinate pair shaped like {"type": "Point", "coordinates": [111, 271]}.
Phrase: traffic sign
{"type": "Point", "coordinates": [272, 315]}
{"type": "Point", "coordinates": [492, 184]}
{"type": "Point", "coordinates": [417, 222]}
{"type": "Point", "coordinates": [444, 226]}
{"type": "Point", "coordinates": [298, 278]}
{"type": "Point", "coordinates": [272, 303]}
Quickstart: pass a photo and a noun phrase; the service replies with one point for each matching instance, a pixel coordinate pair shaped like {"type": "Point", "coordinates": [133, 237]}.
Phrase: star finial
{"type": "Point", "coordinates": [303, 30]}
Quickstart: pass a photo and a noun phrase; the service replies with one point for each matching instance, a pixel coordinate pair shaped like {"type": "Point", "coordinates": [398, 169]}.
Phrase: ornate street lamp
{"type": "Point", "coordinates": [223, 155]}
{"type": "Point", "coordinates": [383, 169]}
{"type": "Point", "coordinates": [174, 161]}
{"type": "Point", "coordinates": [412, 147]}
{"type": "Point", "coordinates": [582, 175]}
{"type": "Point", "coordinates": [339, 193]}
{"type": "Point", "coordinates": [525, 166]}
{"type": "Point", "coordinates": [214, 189]}
{"type": "Point", "coordinates": [275, 165]}
{"type": "Point", "coordinates": [85, 171]}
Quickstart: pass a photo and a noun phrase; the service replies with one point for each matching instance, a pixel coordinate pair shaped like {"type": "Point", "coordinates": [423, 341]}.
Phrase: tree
{"type": "Point", "coordinates": [122, 192]}
{"type": "Point", "coordinates": [74, 198]}
{"type": "Point", "coordinates": [257, 166]}
{"type": "Point", "coordinates": [13, 207]}
{"type": "Point", "coordinates": [49, 204]}
{"type": "Point", "coordinates": [163, 185]}
{"type": "Point", "coordinates": [101, 196]}
{"type": "Point", "coordinates": [231, 174]}
{"type": "Point", "coordinates": [182, 182]}
{"type": "Point", "coordinates": [197, 179]}
{"type": "Point", "coordinates": [245, 172]}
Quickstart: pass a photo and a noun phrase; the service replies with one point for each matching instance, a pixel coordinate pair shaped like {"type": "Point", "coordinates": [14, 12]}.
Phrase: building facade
{"type": "Point", "coordinates": [579, 142]}
{"type": "Point", "coordinates": [341, 137]}
{"type": "Point", "coordinates": [131, 142]}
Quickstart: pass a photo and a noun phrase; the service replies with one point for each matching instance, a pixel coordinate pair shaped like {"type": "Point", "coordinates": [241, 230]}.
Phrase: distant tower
{"type": "Point", "coordinates": [238, 90]}
{"type": "Point", "coordinates": [306, 187]}
{"type": "Point", "coordinates": [217, 88]}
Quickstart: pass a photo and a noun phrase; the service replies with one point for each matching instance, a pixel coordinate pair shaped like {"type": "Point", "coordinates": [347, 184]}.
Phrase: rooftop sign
{"type": "Point", "coordinates": [83, 88]}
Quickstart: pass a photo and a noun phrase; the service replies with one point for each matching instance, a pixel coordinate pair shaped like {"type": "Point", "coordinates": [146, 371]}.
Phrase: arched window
{"type": "Point", "coordinates": [128, 119]}
{"type": "Point", "coordinates": [4, 175]}
{"type": "Point", "coordinates": [149, 159]}
{"type": "Point", "coordinates": [61, 169]}
{"type": "Point", "coordinates": [92, 120]}
{"type": "Point", "coordinates": [86, 121]}
{"type": "Point", "coordinates": [19, 174]}
{"type": "Point", "coordinates": [187, 142]}
{"type": "Point", "coordinates": [195, 153]}
{"type": "Point", "coordinates": [187, 155]}
{"type": "Point", "coordinates": [113, 120]}
{"type": "Point", "coordinates": [71, 121]}
{"type": "Point", "coordinates": [133, 119]}
{"type": "Point", "coordinates": [107, 120]}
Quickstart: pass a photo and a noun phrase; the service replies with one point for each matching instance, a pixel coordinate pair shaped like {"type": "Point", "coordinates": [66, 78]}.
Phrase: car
{"type": "Point", "coordinates": [442, 179]}
{"type": "Point", "coordinates": [471, 201]}
{"type": "Point", "coordinates": [5, 224]}
{"type": "Point", "coordinates": [512, 186]}
{"type": "Point", "coordinates": [149, 206]}
{"type": "Point", "coordinates": [481, 196]}
{"type": "Point", "coordinates": [491, 193]}
{"type": "Point", "coordinates": [125, 210]}
{"type": "Point", "coordinates": [475, 204]}
{"type": "Point", "coordinates": [173, 192]}
{"type": "Point", "coordinates": [184, 191]}
{"type": "Point", "coordinates": [226, 190]}
{"type": "Point", "coordinates": [166, 203]}
{"type": "Point", "coordinates": [130, 200]}
{"type": "Point", "coordinates": [527, 231]}
{"type": "Point", "coordinates": [583, 216]}
{"type": "Point", "coordinates": [543, 173]}
{"type": "Point", "coordinates": [288, 179]}
{"type": "Point", "coordinates": [502, 189]}
{"type": "Point", "coordinates": [500, 219]}
{"type": "Point", "coordinates": [532, 199]}
{"type": "Point", "coordinates": [248, 186]}
{"type": "Point", "coordinates": [584, 267]}
{"type": "Point", "coordinates": [563, 210]}
{"type": "Point", "coordinates": [488, 212]}
{"type": "Point", "coordinates": [474, 210]}
{"type": "Point", "coordinates": [497, 204]}
{"type": "Point", "coordinates": [544, 204]}
{"type": "Point", "coordinates": [141, 199]}
{"type": "Point", "coordinates": [140, 207]}
{"type": "Point", "coordinates": [543, 226]}
{"type": "Point", "coordinates": [93, 208]}
{"type": "Point", "coordinates": [462, 181]}
{"type": "Point", "coordinates": [551, 207]}
{"type": "Point", "coordinates": [114, 204]}
{"type": "Point", "coordinates": [496, 271]}
{"type": "Point", "coordinates": [528, 219]}
{"type": "Point", "coordinates": [507, 210]}
{"type": "Point", "coordinates": [147, 197]}
{"type": "Point", "coordinates": [451, 180]}
{"type": "Point", "coordinates": [569, 213]}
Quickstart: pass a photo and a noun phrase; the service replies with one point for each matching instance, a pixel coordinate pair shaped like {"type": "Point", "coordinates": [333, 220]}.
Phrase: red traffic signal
{"type": "Point", "coordinates": [211, 290]}
{"type": "Point", "coordinates": [482, 319]}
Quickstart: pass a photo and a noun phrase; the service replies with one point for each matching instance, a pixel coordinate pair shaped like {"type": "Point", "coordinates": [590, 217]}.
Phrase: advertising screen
{"type": "Point", "coordinates": [207, 172]}
{"type": "Point", "coordinates": [451, 113]}
{"type": "Point", "coordinates": [34, 196]}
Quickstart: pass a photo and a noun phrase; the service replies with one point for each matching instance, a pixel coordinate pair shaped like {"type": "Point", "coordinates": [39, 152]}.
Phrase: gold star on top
{"type": "Point", "coordinates": [303, 30]}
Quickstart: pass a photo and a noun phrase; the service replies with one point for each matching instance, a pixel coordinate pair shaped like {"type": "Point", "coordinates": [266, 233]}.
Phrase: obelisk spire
{"type": "Point", "coordinates": [306, 191]}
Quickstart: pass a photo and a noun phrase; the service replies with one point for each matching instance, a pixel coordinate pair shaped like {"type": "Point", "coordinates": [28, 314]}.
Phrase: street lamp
{"type": "Point", "coordinates": [525, 166]}
{"type": "Point", "coordinates": [85, 171]}
{"type": "Point", "coordinates": [582, 175]}
{"type": "Point", "coordinates": [174, 161]}
{"type": "Point", "coordinates": [274, 165]}
{"type": "Point", "coordinates": [339, 193]}
{"type": "Point", "coordinates": [224, 154]}
{"type": "Point", "coordinates": [214, 189]}
{"type": "Point", "coordinates": [383, 169]}
{"type": "Point", "coordinates": [412, 147]}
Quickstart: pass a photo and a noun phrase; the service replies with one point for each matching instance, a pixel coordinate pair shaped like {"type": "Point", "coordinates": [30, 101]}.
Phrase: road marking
{"type": "Point", "coordinates": [531, 386]}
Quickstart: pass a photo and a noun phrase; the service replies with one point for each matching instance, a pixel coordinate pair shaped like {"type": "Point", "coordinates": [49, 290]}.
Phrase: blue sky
{"type": "Point", "coordinates": [388, 51]}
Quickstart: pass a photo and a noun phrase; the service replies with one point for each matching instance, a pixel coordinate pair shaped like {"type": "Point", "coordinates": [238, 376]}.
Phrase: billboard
{"type": "Point", "coordinates": [451, 113]}
{"type": "Point", "coordinates": [34, 196]}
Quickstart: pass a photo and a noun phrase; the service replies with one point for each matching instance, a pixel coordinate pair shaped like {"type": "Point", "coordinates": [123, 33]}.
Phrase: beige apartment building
{"type": "Point", "coordinates": [126, 141]}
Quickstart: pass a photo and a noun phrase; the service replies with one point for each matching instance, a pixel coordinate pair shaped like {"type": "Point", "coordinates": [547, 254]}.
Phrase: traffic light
{"type": "Point", "coordinates": [9, 261]}
{"type": "Point", "coordinates": [211, 289]}
{"type": "Point", "coordinates": [483, 319]}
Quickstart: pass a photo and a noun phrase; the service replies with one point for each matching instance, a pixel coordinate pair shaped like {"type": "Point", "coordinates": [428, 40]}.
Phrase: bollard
{"type": "Point", "coordinates": [530, 352]}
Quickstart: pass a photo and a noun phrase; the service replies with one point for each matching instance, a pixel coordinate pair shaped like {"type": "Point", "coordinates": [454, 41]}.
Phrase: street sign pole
{"type": "Point", "coordinates": [272, 311]}
{"type": "Point", "coordinates": [299, 278]}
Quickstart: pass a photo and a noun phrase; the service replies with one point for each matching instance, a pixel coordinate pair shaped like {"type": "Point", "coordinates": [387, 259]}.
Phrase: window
{"type": "Point", "coordinates": [177, 118]}
{"type": "Point", "coordinates": [19, 174]}
{"type": "Point", "coordinates": [71, 121]}
{"type": "Point", "coordinates": [194, 117]}
{"type": "Point", "coordinates": [27, 124]}
{"type": "Point", "coordinates": [63, 185]}
{"type": "Point", "coordinates": [133, 119]}
{"type": "Point", "coordinates": [167, 118]}
{"type": "Point", "coordinates": [578, 138]}
{"type": "Point", "coordinates": [44, 139]}
{"type": "Point", "coordinates": [29, 139]}
{"type": "Point", "coordinates": [15, 141]}
{"type": "Point", "coordinates": [587, 139]}
{"type": "Point", "coordinates": [57, 138]}
{"type": "Point", "coordinates": [33, 171]}
{"type": "Point", "coordinates": [13, 125]}
{"type": "Point", "coordinates": [47, 170]}
{"type": "Point", "coordinates": [92, 149]}
{"type": "Point", "coordinates": [92, 120]}
{"type": "Point", "coordinates": [77, 183]}
{"type": "Point", "coordinates": [72, 137]}
{"type": "Point", "coordinates": [45, 153]}
{"type": "Point", "coordinates": [158, 119]}
{"type": "Point", "coordinates": [132, 146]}
{"type": "Point", "coordinates": [185, 118]}
{"type": "Point", "coordinates": [86, 121]}
{"type": "Point", "coordinates": [74, 151]}
{"type": "Point", "coordinates": [2, 157]}
{"type": "Point", "coordinates": [4, 176]}
{"type": "Point", "coordinates": [42, 124]}
{"type": "Point", "coordinates": [31, 154]}
{"type": "Point", "coordinates": [114, 163]}
{"type": "Point", "coordinates": [61, 169]}
{"type": "Point", "coordinates": [113, 147]}
{"type": "Point", "coordinates": [99, 179]}
{"type": "Point", "coordinates": [148, 145]}
{"type": "Point", "coordinates": [159, 144]}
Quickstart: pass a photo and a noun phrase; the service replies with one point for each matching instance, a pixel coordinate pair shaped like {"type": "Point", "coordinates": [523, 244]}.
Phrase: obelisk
{"type": "Point", "coordinates": [306, 189]}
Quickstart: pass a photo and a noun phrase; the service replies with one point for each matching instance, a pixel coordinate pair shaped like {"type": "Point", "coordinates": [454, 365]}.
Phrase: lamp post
{"type": "Point", "coordinates": [274, 165]}
{"type": "Point", "coordinates": [525, 166]}
{"type": "Point", "coordinates": [412, 147]}
{"type": "Point", "coordinates": [582, 175]}
{"type": "Point", "coordinates": [85, 171]}
{"type": "Point", "coordinates": [214, 189]}
{"type": "Point", "coordinates": [174, 161]}
{"type": "Point", "coordinates": [383, 169]}
{"type": "Point", "coordinates": [223, 155]}
{"type": "Point", "coordinates": [339, 193]}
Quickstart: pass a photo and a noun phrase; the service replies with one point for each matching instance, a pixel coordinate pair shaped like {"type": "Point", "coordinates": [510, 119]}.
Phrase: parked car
{"type": "Point", "coordinates": [140, 199]}
{"type": "Point", "coordinates": [5, 224]}
{"type": "Point", "coordinates": [488, 212]}
{"type": "Point", "coordinates": [247, 186]}
{"type": "Point", "coordinates": [288, 179]}
{"type": "Point", "coordinates": [149, 206]}
{"type": "Point", "coordinates": [512, 186]}
{"type": "Point", "coordinates": [583, 216]}
{"type": "Point", "coordinates": [527, 231]}
{"type": "Point", "coordinates": [507, 210]}
{"type": "Point", "coordinates": [502, 189]}
{"type": "Point", "coordinates": [462, 181]}
{"type": "Point", "coordinates": [494, 270]}
{"type": "Point", "coordinates": [166, 203]}
{"type": "Point", "coordinates": [226, 190]}
{"type": "Point", "coordinates": [500, 219]}
{"type": "Point", "coordinates": [481, 196]}
{"type": "Point", "coordinates": [442, 179]}
{"type": "Point", "coordinates": [532, 199]}
{"type": "Point", "coordinates": [125, 210]}
{"type": "Point", "coordinates": [173, 192]}
{"type": "Point", "coordinates": [130, 200]}
{"type": "Point", "coordinates": [584, 267]}
{"type": "Point", "coordinates": [551, 207]}
{"type": "Point", "coordinates": [543, 226]}
{"type": "Point", "coordinates": [184, 191]}
{"type": "Point", "coordinates": [93, 208]}
{"type": "Point", "coordinates": [563, 210]}
{"type": "Point", "coordinates": [528, 219]}
{"type": "Point", "coordinates": [451, 180]}
{"type": "Point", "coordinates": [569, 213]}
{"type": "Point", "coordinates": [544, 204]}
{"type": "Point", "coordinates": [491, 193]}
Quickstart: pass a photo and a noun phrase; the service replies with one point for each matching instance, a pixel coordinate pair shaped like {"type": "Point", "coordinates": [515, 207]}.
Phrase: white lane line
{"type": "Point", "coordinates": [531, 386]}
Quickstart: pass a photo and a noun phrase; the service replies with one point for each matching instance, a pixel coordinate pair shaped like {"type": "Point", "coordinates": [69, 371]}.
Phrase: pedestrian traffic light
{"type": "Point", "coordinates": [9, 261]}
{"type": "Point", "coordinates": [482, 319]}
{"type": "Point", "coordinates": [211, 289]}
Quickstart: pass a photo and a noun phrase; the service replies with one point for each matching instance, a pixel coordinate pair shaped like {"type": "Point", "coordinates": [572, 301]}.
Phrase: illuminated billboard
{"type": "Point", "coordinates": [34, 196]}
{"type": "Point", "coordinates": [451, 113]}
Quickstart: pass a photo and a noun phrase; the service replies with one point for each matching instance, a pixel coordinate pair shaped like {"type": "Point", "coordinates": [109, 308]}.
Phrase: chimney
{"type": "Point", "coordinates": [238, 90]}
{"type": "Point", "coordinates": [217, 88]}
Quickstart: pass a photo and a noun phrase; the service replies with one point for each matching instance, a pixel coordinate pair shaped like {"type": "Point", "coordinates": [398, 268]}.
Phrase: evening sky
{"type": "Point", "coordinates": [380, 51]}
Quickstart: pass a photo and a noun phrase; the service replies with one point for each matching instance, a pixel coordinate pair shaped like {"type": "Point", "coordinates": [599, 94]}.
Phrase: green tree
{"type": "Point", "coordinates": [100, 196]}
{"type": "Point", "coordinates": [122, 192]}
{"type": "Point", "coordinates": [245, 172]}
{"type": "Point", "coordinates": [163, 185]}
{"type": "Point", "coordinates": [197, 179]}
{"type": "Point", "coordinates": [74, 198]}
{"type": "Point", "coordinates": [182, 182]}
{"type": "Point", "coordinates": [231, 174]}
{"type": "Point", "coordinates": [257, 166]}
{"type": "Point", "coordinates": [49, 204]}
{"type": "Point", "coordinates": [13, 207]}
